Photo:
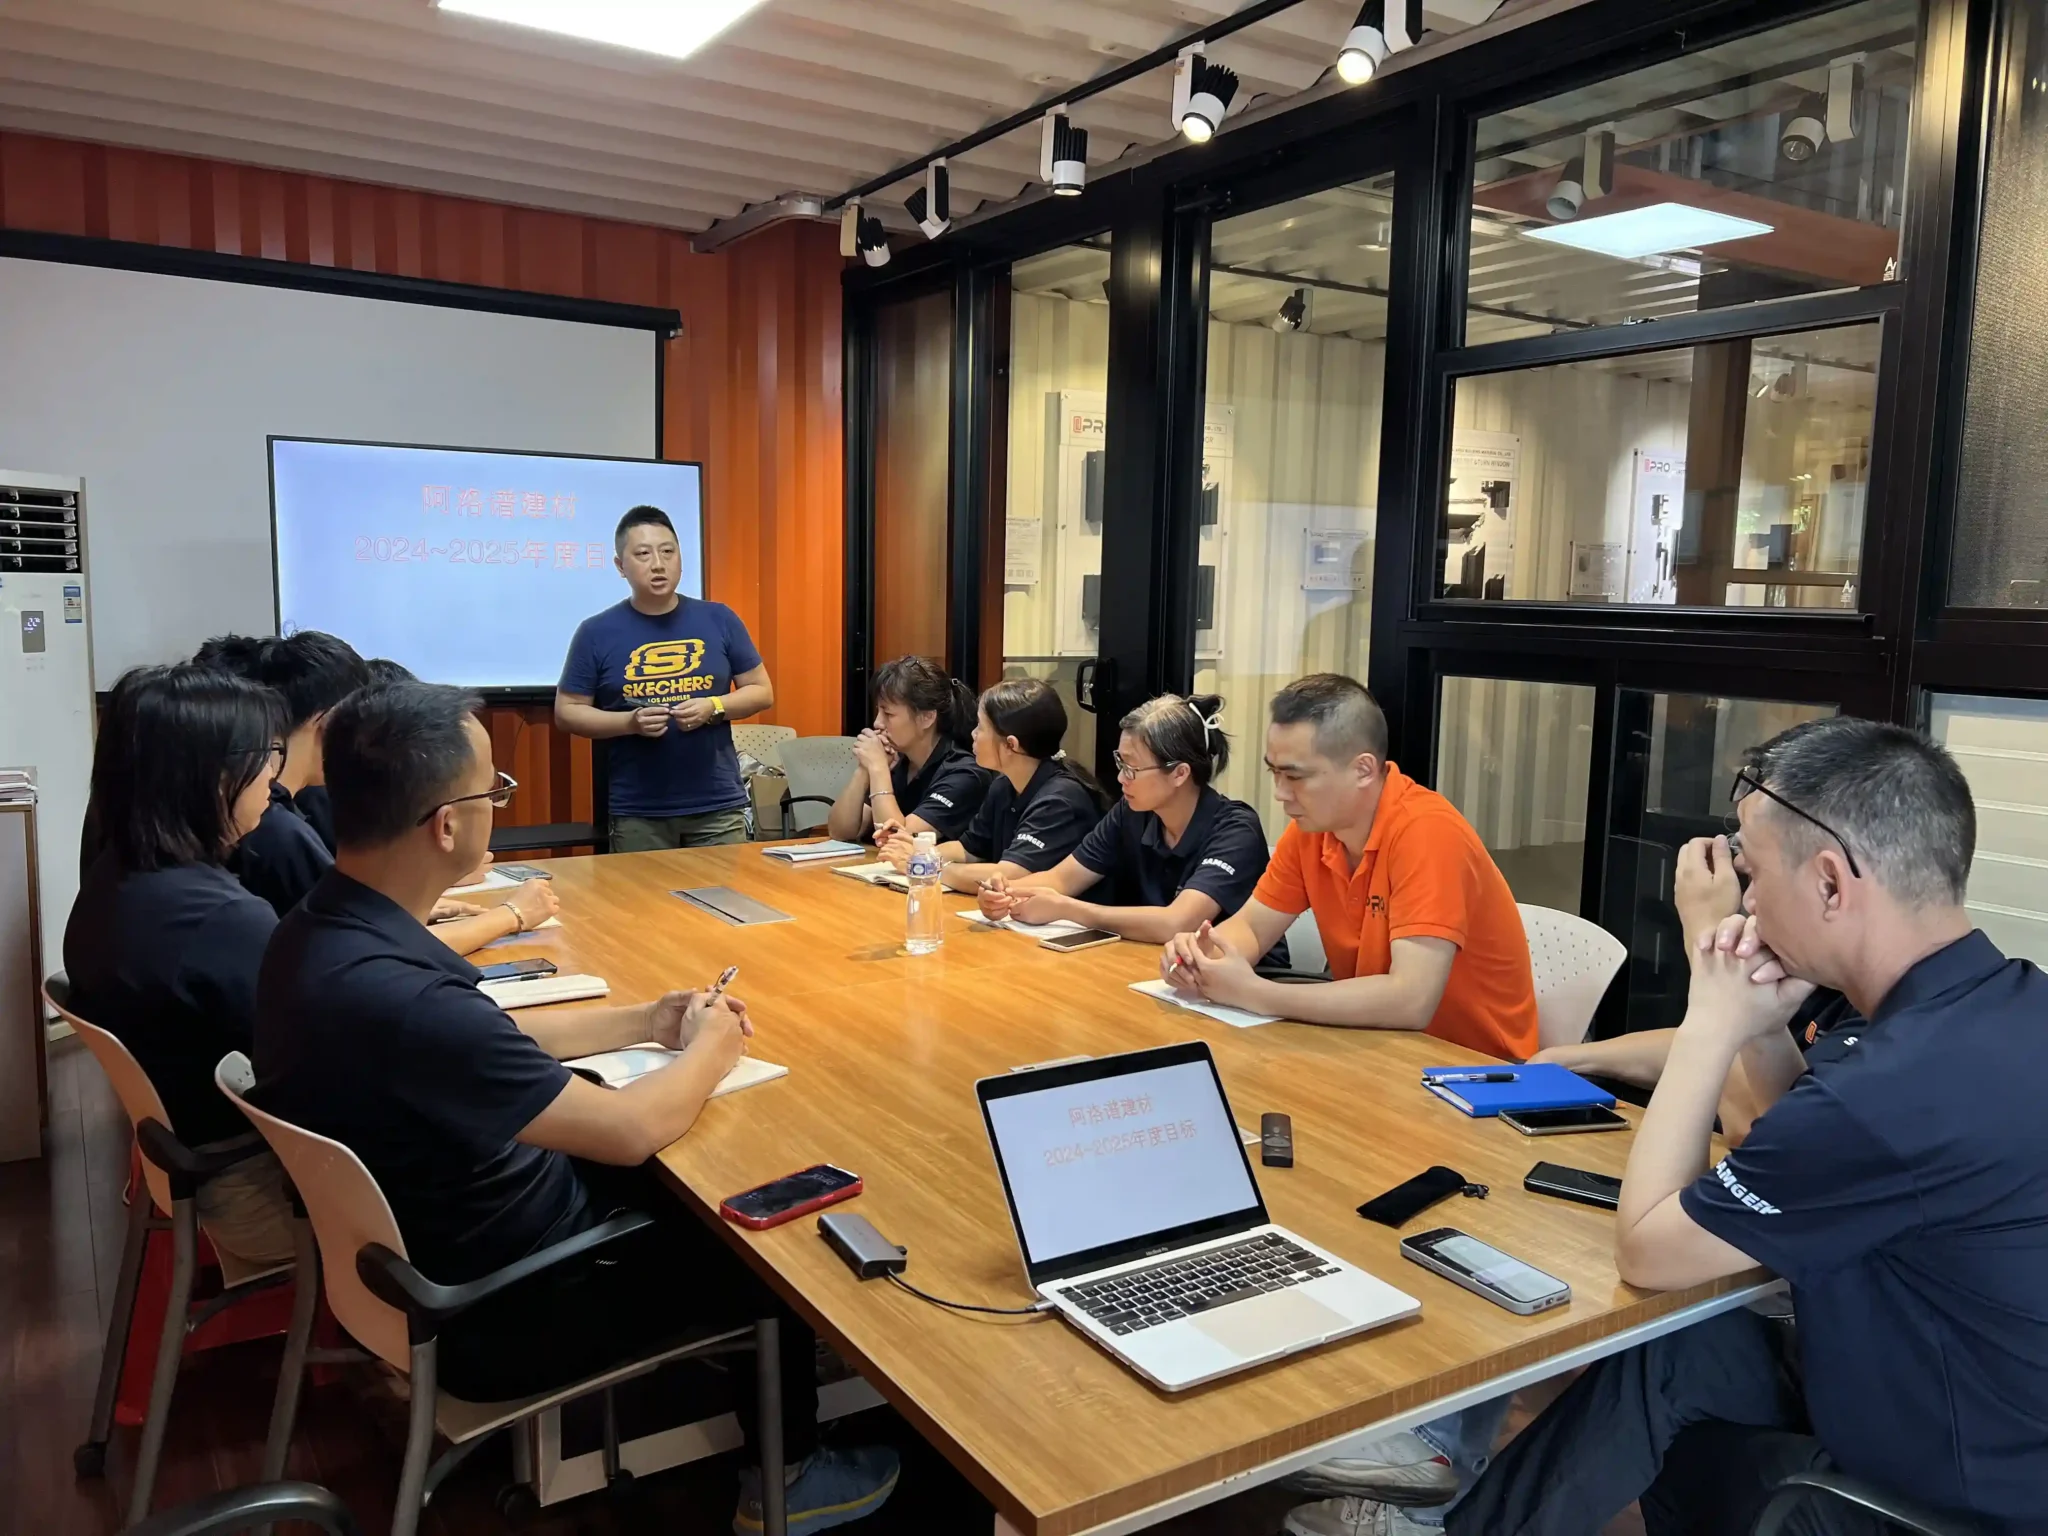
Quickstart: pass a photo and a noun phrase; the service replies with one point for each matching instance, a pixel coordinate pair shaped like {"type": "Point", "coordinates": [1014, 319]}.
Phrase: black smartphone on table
{"type": "Point", "coordinates": [522, 872]}
{"type": "Point", "coordinates": [1563, 1122]}
{"type": "Point", "coordinates": [1601, 1189]}
{"type": "Point", "coordinates": [1085, 938]}
{"type": "Point", "coordinates": [516, 970]}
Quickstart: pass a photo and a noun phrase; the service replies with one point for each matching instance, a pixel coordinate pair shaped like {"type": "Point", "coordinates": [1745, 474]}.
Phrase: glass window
{"type": "Point", "coordinates": [1053, 503]}
{"type": "Point", "coordinates": [1675, 760]}
{"type": "Point", "coordinates": [1290, 465]}
{"type": "Point", "coordinates": [2002, 747]}
{"type": "Point", "coordinates": [1769, 165]}
{"type": "Point", "coordinates": [1515, 758]}
{"type": "Point", "coordinates": [913, 412]}
{"type": "Point", "coordinates": [2001, 535]}
{"type": "Point", "coordinates": [1731, 474]}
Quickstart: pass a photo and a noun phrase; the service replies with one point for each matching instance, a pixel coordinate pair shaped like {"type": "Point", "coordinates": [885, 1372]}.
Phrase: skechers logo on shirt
{"type": "Point", "coordinates": [1217, 864]}
{"type": "Point", "coordinates": [1755, 1202]}
{"type": "Point", "coordinates": [940, 800]}
{"type": "Point", "coordinates": [1026, 837]}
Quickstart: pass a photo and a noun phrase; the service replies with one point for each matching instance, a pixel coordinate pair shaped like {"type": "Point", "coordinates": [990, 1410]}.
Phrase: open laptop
{"type": "Point", "coordinates": [1139, 1219]}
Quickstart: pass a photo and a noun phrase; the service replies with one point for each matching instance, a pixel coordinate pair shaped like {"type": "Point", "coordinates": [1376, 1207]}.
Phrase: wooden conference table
{"type": "Point", "coordinates": [883, 1049]}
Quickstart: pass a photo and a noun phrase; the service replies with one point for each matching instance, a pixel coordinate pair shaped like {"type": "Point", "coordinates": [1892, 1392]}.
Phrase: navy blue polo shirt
{"type": "Point", "coordinates": [623, 659]}
{"type": "Point", "coordinates": [165, 961]}
{"type": "Point", "coordinates": [1902, 1188]}
{"type": "Point", "coordinates": [371, 1031]}
{"type": "Point", "coordinates": [283, 858]}
{"type": "Point", "coordinates": [1034, 830]}
{"type": "Point", "coordinates": [946, 792]}
{"type": "Point", "coordinates": [318, 810]}
{"type": "Point", "coordinates": [1222, 853]}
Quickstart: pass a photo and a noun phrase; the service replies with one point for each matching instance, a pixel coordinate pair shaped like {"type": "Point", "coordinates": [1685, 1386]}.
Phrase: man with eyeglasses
{"type": "Point", "coordinates": [372, 1032]}
{"type": "Point", "coordinates": [1898, 1180]}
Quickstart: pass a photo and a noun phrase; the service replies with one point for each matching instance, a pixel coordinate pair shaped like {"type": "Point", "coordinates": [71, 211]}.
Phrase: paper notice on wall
{"type": "Point", "coordinates": [1656, 514]}
{"type": "Point", "coordinates": [1597, 571]}
{"type": "Point", "coordinates": [1022, 539]}
{"type": "Point", "coordinates": [1480, 560]}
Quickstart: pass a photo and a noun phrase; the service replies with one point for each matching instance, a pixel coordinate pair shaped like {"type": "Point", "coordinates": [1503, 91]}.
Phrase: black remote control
{"type": "Point", "coordinates": [1276, 1141]}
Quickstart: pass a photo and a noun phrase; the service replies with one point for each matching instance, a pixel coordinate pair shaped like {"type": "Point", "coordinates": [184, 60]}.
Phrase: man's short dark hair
{"type": "Point", "coordinates": [313, 670]}
{"type": "Point", "coordinates": [176, 748]}
{"type": "Point", "coordinates": [640, 517]}
{"type": "Point", "coordinates": [1894, 794]}
{"type": "Point", "coordinates": [384, 670]}
{"type": "Point", "coordinates": [1346, 717]}
{"type": "Point", "coordinates": [233, 654]}
{"type": "Point", "coordinates": [393, 753]}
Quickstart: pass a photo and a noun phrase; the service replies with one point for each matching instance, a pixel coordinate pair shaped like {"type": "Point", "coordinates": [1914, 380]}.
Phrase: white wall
{"type": "Point", "coordinates": [159, 393]}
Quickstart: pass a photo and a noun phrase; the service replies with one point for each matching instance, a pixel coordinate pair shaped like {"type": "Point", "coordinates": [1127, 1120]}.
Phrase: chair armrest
{"type": "Point", "coordinates": [1802, 1486]}
{"type": "Point", "coordinates": [240, 1509]}
{"type": "Point", "coordinates": [428, 1306]}
{"type": "Point", "coordinates": [185, 1168]}
{"type": "Point", "coordinates": [789, 799]}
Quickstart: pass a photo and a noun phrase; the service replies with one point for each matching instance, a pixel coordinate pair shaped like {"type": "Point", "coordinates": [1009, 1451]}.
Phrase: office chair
{"type": "Point", "coordinates": [763, 743]}
{"type": "Point", "coordinates": [818, 768]}
{"type": "Point", "coordinates": [398, 1314]}
{"type": "Point", "coordinates": [1901, 1512]}
{"type": "Point", "coordinates": [172, 1174]}
{"type": "Point", "coordinates": [242, 1509]}
{"type": "Point", "coordinates": [1573, 961]}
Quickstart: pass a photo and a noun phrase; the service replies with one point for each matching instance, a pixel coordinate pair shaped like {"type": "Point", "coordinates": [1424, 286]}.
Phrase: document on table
{"type": "Point", "coordinates": [618, 1068]}
{"type": "Point", "coordinates": [1236, 1018]}
{"type": "Point", "coordinates": [1051, 930]}
{"type": "Point", "coordinates": [492, 881]}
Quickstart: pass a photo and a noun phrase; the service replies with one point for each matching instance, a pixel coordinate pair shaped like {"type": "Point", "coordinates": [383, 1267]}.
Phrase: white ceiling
{"type": "Point", "coordinates": [807, 96]}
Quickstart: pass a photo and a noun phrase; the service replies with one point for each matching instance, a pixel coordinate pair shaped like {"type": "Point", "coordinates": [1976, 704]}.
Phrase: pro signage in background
{"type": "Point", "coordinates": [468, 567]}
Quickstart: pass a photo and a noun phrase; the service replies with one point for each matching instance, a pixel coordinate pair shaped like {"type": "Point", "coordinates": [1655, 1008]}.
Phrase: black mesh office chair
{"type": "Point", "coordinates": [1802, 1487]}
{"type": "Point", "coordinates": [244, 1509]}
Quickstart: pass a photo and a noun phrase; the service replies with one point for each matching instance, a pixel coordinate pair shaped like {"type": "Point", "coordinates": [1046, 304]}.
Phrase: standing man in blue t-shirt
{"type": "Point", "coordinates": [662, 677]}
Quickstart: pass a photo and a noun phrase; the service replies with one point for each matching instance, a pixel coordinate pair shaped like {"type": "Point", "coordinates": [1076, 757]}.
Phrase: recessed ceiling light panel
{"type": "Point", "coordinates": [673, 28]}
{"type": "Point", "coordinates": [1651, 231]}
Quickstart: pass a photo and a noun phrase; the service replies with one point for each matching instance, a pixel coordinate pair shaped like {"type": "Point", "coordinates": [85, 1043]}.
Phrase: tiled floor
{"type": "Point", "coordinates": [60, 1232]}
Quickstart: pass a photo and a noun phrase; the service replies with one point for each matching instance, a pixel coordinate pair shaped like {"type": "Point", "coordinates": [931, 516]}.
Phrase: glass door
{"type": "Point", "coordinates": [1290, 464]}
{"type": "Point", "coordinates": [1048, 484]}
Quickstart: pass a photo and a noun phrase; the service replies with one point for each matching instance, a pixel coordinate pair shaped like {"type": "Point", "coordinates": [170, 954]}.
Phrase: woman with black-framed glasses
{"type": "Point", "coordinates": [1171, 854]}
{"type": "Point", "coordinates": [164, 943]}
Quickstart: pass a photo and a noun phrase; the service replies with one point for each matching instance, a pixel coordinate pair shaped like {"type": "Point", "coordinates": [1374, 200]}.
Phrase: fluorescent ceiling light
{"type": "Point", "coordinates": [675, 28]}
{"type": "Point", "coordinates": [1650, 231]}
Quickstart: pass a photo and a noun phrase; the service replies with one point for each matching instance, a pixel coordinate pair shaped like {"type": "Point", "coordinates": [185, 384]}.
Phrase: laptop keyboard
{"type": "Point", "coordinates": [1145, 1298]}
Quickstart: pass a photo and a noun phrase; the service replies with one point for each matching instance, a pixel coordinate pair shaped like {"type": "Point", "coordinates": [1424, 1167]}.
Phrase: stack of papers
{"type": "Point", "coordinates": [17, 786]}
{"type": "Point", "coordinates": [618, 1068]}
{"type": "Point", "coordinates": [814, 853]}
{"type": "Point", "coordinates": [492, 881]}
{"type": "Point", "coordinates": [1236, 1018]}
{"type": "Point", "coordinates": [1053, 929]}
{"type": "Point", "coordinates": [883, 873]}
{"type": "Point", "coordinates": [532, 991]}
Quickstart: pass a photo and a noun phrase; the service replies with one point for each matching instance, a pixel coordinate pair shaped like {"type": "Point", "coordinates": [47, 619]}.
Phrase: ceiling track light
{"type": "Point", "coordinates": [1293, 314]}
{"type": "Point", "coordinates": [1376, 36]}
{"type": "Point", "coordinates": [1845, 98]}
{"type": "Point", "coordinates": [849, 229]}
{"type": "Point", "coordinates": [1803, 130]}
{"type": "Point", "coordinates": [861, 234]}
{"type": "Point", "coordinates": [931, 205]}
{"type": "Point", "coordinates": [1063, 154]}
{"type": "Point", "coordinates": [1202, 93]}
{"type": "Point", "coordinates": [1587, 175]}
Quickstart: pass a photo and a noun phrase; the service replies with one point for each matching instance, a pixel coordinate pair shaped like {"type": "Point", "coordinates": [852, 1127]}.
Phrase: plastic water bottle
{"type": "Point", "coordinates": [926, 929]}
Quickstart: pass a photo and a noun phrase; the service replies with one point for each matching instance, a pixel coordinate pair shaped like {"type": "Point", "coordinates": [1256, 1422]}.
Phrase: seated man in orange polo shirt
{"type": "Point", "coordinates": [1420, 929]}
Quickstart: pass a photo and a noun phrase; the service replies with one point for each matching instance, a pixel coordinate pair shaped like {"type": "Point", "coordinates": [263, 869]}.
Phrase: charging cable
{"type": "Point", "coordinates": [967, 1306]}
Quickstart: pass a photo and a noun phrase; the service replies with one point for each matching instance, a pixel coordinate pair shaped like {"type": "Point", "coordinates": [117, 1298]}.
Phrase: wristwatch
{"type": "Point", "coordinates": [718, 707]}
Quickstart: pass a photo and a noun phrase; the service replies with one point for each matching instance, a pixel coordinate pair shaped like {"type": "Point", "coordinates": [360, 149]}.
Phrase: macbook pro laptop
{"type": "Point", "coordinates": [1139, 1219]}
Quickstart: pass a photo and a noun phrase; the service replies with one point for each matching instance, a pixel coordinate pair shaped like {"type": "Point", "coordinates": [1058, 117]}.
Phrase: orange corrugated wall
{"type": "Point", "coordinates": [753, 385]}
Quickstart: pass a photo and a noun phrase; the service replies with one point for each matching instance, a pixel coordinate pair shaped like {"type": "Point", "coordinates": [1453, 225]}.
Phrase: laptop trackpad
{"type": "Point", "coordinates": [1274, 1321]}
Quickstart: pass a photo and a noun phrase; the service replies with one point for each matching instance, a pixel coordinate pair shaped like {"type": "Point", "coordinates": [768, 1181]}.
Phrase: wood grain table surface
{"type": "Point", "coordinates": [883, 1049]}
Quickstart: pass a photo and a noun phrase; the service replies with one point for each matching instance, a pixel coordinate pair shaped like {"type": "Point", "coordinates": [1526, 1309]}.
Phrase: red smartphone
{"type": "Point", "coordinates": [794, 1195]}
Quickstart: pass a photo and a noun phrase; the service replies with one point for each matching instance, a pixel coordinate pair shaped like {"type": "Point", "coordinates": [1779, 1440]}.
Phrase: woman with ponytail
{"type": "Point", "coordinates": [916, 770]}
{"type": "Point", "coordinates": [1039, 806]}
{"type": "Point", "coordinates": [1170, 852]}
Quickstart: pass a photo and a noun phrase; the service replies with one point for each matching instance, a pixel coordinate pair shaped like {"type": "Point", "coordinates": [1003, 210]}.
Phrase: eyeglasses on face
{"type": "Point", "coordinates": [273, 755]}
{"type": "Point", "coordinates": [500, 797]}
{"type": "Point", "coordinates": [1126, 770]}
{"type": "Point", "coordinates": [1747, 782]}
